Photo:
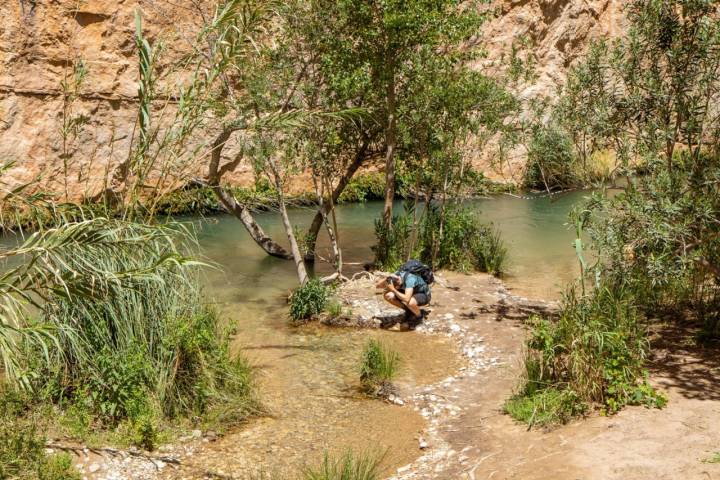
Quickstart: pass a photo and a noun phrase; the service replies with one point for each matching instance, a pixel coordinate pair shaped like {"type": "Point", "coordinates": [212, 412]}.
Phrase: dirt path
{"type": "Point", "coordinates": [478, 441]}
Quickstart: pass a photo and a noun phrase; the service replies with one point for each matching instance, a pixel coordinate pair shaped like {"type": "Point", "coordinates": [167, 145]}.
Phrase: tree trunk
{"type": "Point", "coordinates": [294, 248]}
{"type": "Point", "coordinates": [215, 173]}
{"type": "Point", "coordinates": [334, 239]}
{"type": "Point", "coordinates": [323, 210]}
{"type": "Point", "coordinates": [390, 141]}
{"type": "Point", "coordinates": [256, 232]}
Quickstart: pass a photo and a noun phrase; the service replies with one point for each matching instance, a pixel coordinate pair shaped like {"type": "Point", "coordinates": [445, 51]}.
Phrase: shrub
{"type": "Point", "coordinates": [369, 186]}
{"type": "Point", "coordinates": [489, 251]}
{"type": "Point", "coordinates": [347, 467]}
{"type": "Point", "coordinates": [378, 367]}
{"type": "Point", "coordinates": [308, 300]}
{"type": "Point", "coordinates": [453, 239]}
{"type": "Point", "coordinates": [447, 237]}
{"type": "Point", "coordinates": [551, 159]}
{"type": "Point", "coordinates": [593, 353]}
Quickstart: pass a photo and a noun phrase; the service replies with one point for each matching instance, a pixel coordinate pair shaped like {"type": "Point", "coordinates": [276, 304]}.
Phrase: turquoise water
{"type": "Point", "coordinates": [308, 375]}
{"type": "Point", "coordinates": [539, 241]}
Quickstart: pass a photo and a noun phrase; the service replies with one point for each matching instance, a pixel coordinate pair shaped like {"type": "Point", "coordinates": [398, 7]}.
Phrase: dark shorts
{"type": "Point", "coordinates": [422, 298]}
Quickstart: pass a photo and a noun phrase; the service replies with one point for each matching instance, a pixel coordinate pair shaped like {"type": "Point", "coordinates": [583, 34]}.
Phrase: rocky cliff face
{"type": "Point", "coordinates": [48, 123]}
{"type": "Point", "coordinates": [552, 34]}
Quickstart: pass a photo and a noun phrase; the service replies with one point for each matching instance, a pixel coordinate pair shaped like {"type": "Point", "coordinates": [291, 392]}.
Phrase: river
{"type": "Point", "coordinates": [308, 376]}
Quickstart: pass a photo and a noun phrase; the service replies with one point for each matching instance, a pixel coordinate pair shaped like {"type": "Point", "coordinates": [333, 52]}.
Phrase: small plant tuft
{"type": "Point", "coordinates": [334, 309]}
{"type": "Point", "coordinates": [378, 367]}
{"type": "Point", "coordinates": [348, 467]}
{"type": "Point", "coordinates": [545, 407]}
{"type": "Point", "coordinates": [714, 458]}
{"type": "Point", "coordinates": [308, 300]}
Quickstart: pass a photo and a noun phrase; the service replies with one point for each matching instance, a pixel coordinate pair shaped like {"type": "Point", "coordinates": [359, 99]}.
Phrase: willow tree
{"type": "Point", "coordinates": [256, 98]}
{"type": "Point", "coordinates": [388, 45]}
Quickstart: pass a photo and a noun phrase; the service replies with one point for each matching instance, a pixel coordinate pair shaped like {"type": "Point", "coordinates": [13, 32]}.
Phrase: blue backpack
{"type": "Point", "coordinates": [418, 268]}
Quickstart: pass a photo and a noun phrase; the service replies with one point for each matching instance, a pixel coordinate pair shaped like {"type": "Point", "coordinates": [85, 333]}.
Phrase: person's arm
{"type": "Point", "coordinates": [403, 297]}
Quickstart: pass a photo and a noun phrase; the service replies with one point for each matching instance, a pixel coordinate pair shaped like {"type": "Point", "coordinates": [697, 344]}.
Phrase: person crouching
{"type": "Point", "coordinates": [407, 291]}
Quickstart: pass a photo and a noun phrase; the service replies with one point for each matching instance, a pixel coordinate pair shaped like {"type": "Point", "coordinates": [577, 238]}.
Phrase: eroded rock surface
{"type": "Point", "coordinates": [42, 41]}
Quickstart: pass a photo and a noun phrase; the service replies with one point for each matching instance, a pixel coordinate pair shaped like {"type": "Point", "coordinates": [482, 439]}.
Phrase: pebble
{"type": "Point", "coordinates": [423, 444]}
{"type": "Point", "coordinates": [93, 468]}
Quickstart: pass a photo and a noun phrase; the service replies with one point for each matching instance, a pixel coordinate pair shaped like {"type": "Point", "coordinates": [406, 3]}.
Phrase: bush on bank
{"type": "Point", "coordinates": [593, 354]}
{"type": "Point", "coordinates": [124, 340]}
{"type": "Point", "coordinates": [308, 300]}
{"type": "Point", "coordinates": [452, 238]}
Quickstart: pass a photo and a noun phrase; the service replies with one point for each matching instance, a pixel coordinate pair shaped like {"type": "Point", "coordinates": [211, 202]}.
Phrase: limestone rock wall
{"type": "Point", "coordinates": [556, 33]}
{"type": "Point", "coordinates": [41, 42]}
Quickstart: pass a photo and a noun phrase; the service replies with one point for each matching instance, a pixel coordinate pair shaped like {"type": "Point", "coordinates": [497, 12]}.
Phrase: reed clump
{"type": "Point", "coordinates": [349, 466]}
{"type": "Point", "coordinates": [450, 238]}
{"type": "Point", "coordinates": [378, 368]}
{"type": "Point", "coordinates": [118, 335]}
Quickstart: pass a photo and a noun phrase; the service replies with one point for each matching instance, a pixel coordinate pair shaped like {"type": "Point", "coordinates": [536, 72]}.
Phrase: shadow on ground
{"type": "Point", "coordinates": [691, 369]}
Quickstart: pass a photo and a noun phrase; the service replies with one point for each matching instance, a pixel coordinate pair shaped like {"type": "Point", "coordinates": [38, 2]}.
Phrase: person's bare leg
{"type": "Point", "coordinates": [413, 307]}
{"type": "Point", "coordinates": [390, 298]}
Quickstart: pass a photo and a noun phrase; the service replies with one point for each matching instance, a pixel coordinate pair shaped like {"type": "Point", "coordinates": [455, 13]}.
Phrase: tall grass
{"type": "Point", "coordinates": [378, 367]}
{"type": "Point", "coordinates": [593, 354]}
{"type": "Point", "coordinates": [106, 317]}
{"type": "Point", "coordinates": [348, 467]}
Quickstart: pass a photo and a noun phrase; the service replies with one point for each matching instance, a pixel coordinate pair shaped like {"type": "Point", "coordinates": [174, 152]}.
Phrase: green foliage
{"type": "Point", "coordinates": [551, 159]}
{"type": "Point", "coordinates": [545, 407]}
{"type": "Point", "coordinates": [119, 333]}
{"type": "Point", "coordinates": [117, 386]}
{"type": "Point", "coordinates": [334, 308]}
{"type": "Point", "coordinates": [378, 366]}
{"type": "Point", "coordinates": [22, 445]}
{"type": "Point", "coordinates": [369, 186]}
{"type": "Point", "coordinates": [147, 342]}
{"type": "Point", "coordinates": [489, 251]}
{"type": "Point", "coordinates": [308, 300]}
{"type": "Point", "coordinates": [649, 98]}
{"type": "Point", "coordinates": [593, 353]}
{"type": "Point", "coordinates": [146, 432]}
{"type": "Point", "coordinates": [348, 467]}
{"type": "Point", "coordinates": [659, 237]}
{"type": "Point", "coordinates": [714, 458]}
{"type": "Point", "coordinates": [394, 245]}
{"type": "Point", "coordinates": [451, 237]}
{"type": "Point", "coordinates": [455, 239]}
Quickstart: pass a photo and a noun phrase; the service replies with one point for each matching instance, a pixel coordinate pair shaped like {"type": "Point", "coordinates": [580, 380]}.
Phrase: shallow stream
{"type": "Point", "coordinates": [308, 375]}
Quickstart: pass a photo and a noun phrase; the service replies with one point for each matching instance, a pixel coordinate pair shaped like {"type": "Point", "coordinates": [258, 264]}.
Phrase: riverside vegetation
{"type": "Point", "coordinates": [106, 336]}
{"type": "Point", "coordinates": [103, 327]}
{"type": "Point", "coordinates": [652, 99]}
